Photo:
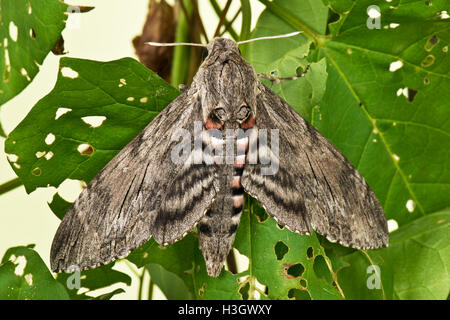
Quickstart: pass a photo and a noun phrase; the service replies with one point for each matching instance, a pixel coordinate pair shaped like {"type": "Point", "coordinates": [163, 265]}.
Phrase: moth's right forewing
{"type": "Point", "coordinates": [315, 187]}
{"type": "Point", "coordinates": [117, 210]}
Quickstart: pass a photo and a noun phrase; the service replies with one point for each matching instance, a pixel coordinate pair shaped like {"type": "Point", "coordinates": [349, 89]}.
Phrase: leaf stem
{"type": "Point", "coordinates": [141, 283]}
{"type": "Point", "coordinates": [293, 21]}
{"type": "Point", "coordinates": [10, 185]}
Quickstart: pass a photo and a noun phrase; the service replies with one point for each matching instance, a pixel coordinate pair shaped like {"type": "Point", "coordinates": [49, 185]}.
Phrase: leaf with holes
{"type": "Point", "coordinates": [415, 266]}
{"type": "Point", "coordinates": [24, 276]}
{"type": "Point", "coordinates": [95, 109]}
{"type": "Point", "coordinates": [185, 260]}
{"type": "Point", "coordinates": [386, 100]}
{"type": "Point", "coordinates": [91, 280]}
{"type": "Point", "coordinates": [289, 265]}
{"type": "Point", "coordinates": [28, 31]}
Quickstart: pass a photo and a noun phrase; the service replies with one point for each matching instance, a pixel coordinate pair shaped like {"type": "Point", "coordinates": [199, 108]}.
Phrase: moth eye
{"type": "Point", "coordinates": [220, 114]}
{"type": "Point", "coordinates": [243, 113]}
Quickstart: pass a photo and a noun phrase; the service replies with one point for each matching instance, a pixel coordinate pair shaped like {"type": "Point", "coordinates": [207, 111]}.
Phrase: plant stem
{"type": "Point", "coordinates": [10, 185]}
{"type": "Point", "coordinates": [246, 20]}
{"type": "Point", "coordinates": [292, 20]}
{"type": "Point", "coordinates": [141, 283]}
{"type": "Point", "coordinates": [181, 54]}
{"type": "Point", "coordinates": [151, 287]}
{"type": "Point", "coordinates": [218, 11]}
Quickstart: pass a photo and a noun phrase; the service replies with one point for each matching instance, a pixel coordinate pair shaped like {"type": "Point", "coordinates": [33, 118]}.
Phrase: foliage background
{"type": "Point", "coordinates": [391, 124]}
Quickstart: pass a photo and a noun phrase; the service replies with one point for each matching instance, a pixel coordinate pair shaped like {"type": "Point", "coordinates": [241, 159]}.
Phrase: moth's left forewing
{"type": "Point", "coordinates": [315, 186]}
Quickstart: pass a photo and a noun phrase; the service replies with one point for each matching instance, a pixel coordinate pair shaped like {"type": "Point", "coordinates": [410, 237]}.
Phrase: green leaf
{"type": "Point", "coordinates": [414, 266]}
{"type": "Point", "coordinates": [94, 279]}
{"type": "Point", "coordinates": [169, 283]}
{"type": "Point", "coordinates": [284, 261]}
{"type": "Point", "coordinates": [125, 94]}
{"type": "Point", "coordinates": [28, 31]}
{"type": "Point", "coordinates": [59, 206]}
{"type": "Point", "coordinates": [397, 143]}
{"type": "Point", "coordinates": [24, 276]}
{"type": "Point", "coordinates": [185, 260]}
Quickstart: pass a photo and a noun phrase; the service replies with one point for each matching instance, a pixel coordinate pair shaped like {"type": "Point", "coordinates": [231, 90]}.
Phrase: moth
{"type": "Point", "coordinates": [142, 193]}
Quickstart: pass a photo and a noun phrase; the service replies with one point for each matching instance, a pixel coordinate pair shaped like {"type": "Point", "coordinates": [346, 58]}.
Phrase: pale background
{"type": "Point", "coordinates": [104, 34]}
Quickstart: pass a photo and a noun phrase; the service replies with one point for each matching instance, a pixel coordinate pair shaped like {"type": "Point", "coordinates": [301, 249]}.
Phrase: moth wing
{"type": "Point", "coordinates": [126, 203]}
{"type": "Point", "coordinates": [315, 186]}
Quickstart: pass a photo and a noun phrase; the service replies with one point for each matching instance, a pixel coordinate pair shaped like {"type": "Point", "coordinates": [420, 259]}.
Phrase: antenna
{"type": "Point", "coordinates": [173, 44]}
{"type": "Point", "coordinates": [287, 35]}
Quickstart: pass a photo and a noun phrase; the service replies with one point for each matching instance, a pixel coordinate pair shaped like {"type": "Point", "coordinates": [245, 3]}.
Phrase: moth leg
{"type": "Point", "coordinates": [277, 80]}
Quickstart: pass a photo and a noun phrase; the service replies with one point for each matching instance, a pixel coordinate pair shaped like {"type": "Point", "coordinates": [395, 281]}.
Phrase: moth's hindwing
{"type": "Point", "coordinates": [316, 187]}
{"type": "Point", "coordinates": [120, 208]}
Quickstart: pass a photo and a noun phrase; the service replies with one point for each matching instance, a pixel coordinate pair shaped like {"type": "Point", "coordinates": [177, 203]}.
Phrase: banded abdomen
{"type": "Point", "coordinates": [217, 229]}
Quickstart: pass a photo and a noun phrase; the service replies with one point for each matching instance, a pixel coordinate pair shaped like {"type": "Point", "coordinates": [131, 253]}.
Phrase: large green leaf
{"type": "Point", "coordinates": [398, 143]}
{"type": "Point", "coordinates": [91, 280]}
{"type": "Point", "coordinates": [24, 276]}
{"type": "Point", "coordinates": [28, 31]}
{"type": "Point", "coordinates": [284, 261]}
{"type": "Point", "coordinates": [125, 94]}
{"type": "Point", "coordinates": [185, 260]}
{"type": "Point", "coordinates": [415, 266]}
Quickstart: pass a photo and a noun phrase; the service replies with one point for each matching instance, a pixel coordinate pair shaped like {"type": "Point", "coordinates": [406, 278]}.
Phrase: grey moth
{"type": "Point", "coordinates": [257, 144]}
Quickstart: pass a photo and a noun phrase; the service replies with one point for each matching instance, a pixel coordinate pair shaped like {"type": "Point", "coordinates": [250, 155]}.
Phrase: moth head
{"type": "Point", "coordinates": [227, 85]}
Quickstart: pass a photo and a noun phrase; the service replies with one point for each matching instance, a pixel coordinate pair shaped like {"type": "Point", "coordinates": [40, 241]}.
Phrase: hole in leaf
{"type": "Point", "coordinates": [394, 66]}
{"type": "Point", "coordinates": [32, 33]}
{"type": "Point", "coordinates": [426, 80]}
{"type": "Point", "coordinates": [49, 155]}
{"type": "Point", "coordinates": [85, 149]}
{"type": "Point", "coordinates": [260, 213]}
{"type": "Point", "coordinates": [40, 154]}
{"type": "Point", "coordinates": [333, 17]}
{"type": "Point", "coordinates": [443, 15]}
{"type": "Point", "coordinates": [13, 31]}
{"type": "Point", "coordinates": [392, 225]}
{"type": "Point", "coordinates": [144, 100]}
{"type": "Point", "coordinates": [69, 73]}
{"type": "Point", "coordinates": [243, 291]}
{"type": "Point", "coordinates": [36, 172]}
{"type": "Point", "coordinates": [279, 226]}
{"type": "Point", "coordinates": [431, 42]}
{"type": "Point", "coordinates": [12, 157]}
{"type": "Point", "coordinates": [201, 291]}
{"type": "Point", "coordinates": [321, 269]}
{"type": "Point", "coordinates": [274, 73]}
{"type": "Point", "coordinates": [122, 82]}
{"type": "Point", "coordinates": [50, 138]}
{"type": "Point", "coordinates": [29, 279]}
{"type": "Point", "coordinates": [25, 73]}
{"type": "Point", "coordinates": [20, 263]}
{"type": "Point", "coordinates": [294, 270]}
{"type": "Point", "coordinates": [299, 70]}
{"type": "Point", "coordinates": [410, 205]}
{"type": "Point", "coordinates": [428, 61]}
{"type": "Point", "coordinates": [393, 25]}
{"type": "Point", "coordinates": [298, 294]}
{"type": "Point", "coordinates": [303, 283]}
{"type": "Point", "coordinates": [411, 94]}
{"type": "Point", "coordinates": [131, 99]}
{"type": "Point", "coordinates": [18, 166]}
{"type": "Point", "coordinates": [94, 121]}
{"type": "Point", "coordinates": [280, 249]}
{"type": "Point", "coordinates": [61, 111]}
{"type": "Point", "coordinates": [310, 252]}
